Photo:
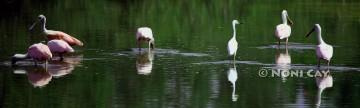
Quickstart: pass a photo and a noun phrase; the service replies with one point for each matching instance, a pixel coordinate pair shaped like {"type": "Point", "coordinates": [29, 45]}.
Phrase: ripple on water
{"type": "Point", "coordinates": [159, 52]}
{"type": "Point", "coordinates": [230, 61]}
{"type": "Point", "coordinates": [291, 45]}
{"type": "Point", "coordinates": [71, 59]}
{"type": "Point", "coordinates": [19, 63]}
{"type": "Point", "coordinates": [90, 59]}
{"type": "Point", "coordinates": [314, 67]}
{"type": "Point", "coordinates": [275, 66]}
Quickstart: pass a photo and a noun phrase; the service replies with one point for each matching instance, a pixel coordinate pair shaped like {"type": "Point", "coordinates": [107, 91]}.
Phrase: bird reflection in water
{"type": "Point", "coordinates": [232, 77]}
{"type": "Point", "coordinates": [322, 83]}
{"type": "Point", "coordinates": [39, 76]}
{"type": "Point", "coordinates": [144, 62]}
{"type": "Point", "coordinates": [64, 67]}
{"type": "Point", "coordinates": [283, 62]}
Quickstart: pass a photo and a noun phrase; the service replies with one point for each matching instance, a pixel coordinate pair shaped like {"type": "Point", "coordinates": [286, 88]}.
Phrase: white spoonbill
{"type": "Point", "coordinates": [284, 30]}
{"type": "Point", "coordinates": [323, 51]}
{"type": "Point", "coordinates": [233, 44]}
{"type": "Point", "coordinates": [51, 34]}
{"type": "Point", "coordinates": [144, 34]}
{"type": "Point", "coordinates": [59, 47]}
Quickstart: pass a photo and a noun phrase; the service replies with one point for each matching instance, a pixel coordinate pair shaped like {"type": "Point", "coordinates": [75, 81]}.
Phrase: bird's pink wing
{"type": "Point", "coordinates": [39, 52]}
{"type": "Point", "coordinates": [63, 36]}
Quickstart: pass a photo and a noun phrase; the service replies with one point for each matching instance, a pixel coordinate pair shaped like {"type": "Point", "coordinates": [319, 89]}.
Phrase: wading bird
{"type": "Point", "coordinates": [283, 30]}
{"type": "Point", "coordinates": [38, 52]}
{"type": "Point", "coordinates": [59, 47]}
{"type": "Point", "coordinates": [144, 34]}
{"type": "Point", "coordinates": [323, 51]}
{"type": "Point", "coordinates": [51, 34]}
{"type": "Point", "coordinates": [233, 44]}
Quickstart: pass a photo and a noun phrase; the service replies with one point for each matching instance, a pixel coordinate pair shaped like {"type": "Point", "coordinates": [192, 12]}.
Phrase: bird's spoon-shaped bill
{"type": "Point", "coordinates": [312, 30]}
{"type": "Point", "coordinates": [33, 25]}
{"type": "Point", "coordinates": [289, 20]}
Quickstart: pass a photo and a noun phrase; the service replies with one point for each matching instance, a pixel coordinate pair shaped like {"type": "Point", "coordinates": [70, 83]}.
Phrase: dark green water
{"type": "Point", "coordinates": [189, 67]}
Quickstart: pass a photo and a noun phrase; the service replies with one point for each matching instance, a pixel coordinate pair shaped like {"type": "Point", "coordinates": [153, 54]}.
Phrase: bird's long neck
{"type": "Point", "coordinates": [284, 19]}
{"type": "Point", "coordinates": [43, 24]}
{"type": "Point", "coordinates": [18, 57]}
{"type": "Point", "coordinates": [234, 31]}
{"type": "Point", "coordinates": [319, 37]}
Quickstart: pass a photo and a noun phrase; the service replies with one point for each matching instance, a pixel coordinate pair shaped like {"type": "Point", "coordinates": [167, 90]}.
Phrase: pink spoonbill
{"type": "Point", "coordinates": [38, 52]}
{"type": "Point", "coordinates": [144, 34]}
{"type": "Point", "coordinates": [283, 30]}
{"type": "Point", "coordinates": [51, 34]}
{"type": "Point", "coordinates": [59, 47]}
{"type": "Point", "coordinates": [323, 51]}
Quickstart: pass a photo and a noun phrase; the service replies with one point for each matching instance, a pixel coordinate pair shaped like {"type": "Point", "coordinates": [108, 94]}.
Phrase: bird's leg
{"type": "Point", "coordinates": [138, 44]}
{"type": "Point", "coordinates": [234, 57]}
{"type": "Point", "coordinates": [13, 61]}
{"type": "Point", "coordinates": [278, 45]}
{"type": "Point", "coordinates": [35, 63]}
{"type": "Point", "coordinates": [149, 46]}
{"type": "Point", "coordinates": [152, 45]}
{"type": "Point", "coordinates": [318, 63]}
{"type": "Point", "coordinates": [46, 62]}
{"type": "Point", "coordinates": [234, 66]}
{"type": "Point", "coordinates": [279, 42]}
{"type": "Point", "coordinates": [61, 57]}
{"type": "Point", "coordinates": [46, 68]}
{"type": "Point", "coordinates": [287, 39]}
{"type": "Point", "coordinates": [328, 63]}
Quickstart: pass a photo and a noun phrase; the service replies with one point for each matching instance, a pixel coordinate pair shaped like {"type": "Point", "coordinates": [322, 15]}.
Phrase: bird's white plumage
{"type": "Point", "coordinates": [283, 31]}
{"type": "Point", "coordinates": [324, 51]}
{"type": "Point", "coordinates": [144, 33]}
{"type": "Point", "coordinates": [232, 46]}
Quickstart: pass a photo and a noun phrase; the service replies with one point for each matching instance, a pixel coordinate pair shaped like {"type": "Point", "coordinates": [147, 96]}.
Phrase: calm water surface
{"type": "Point", "coordinates": [190, 66]}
